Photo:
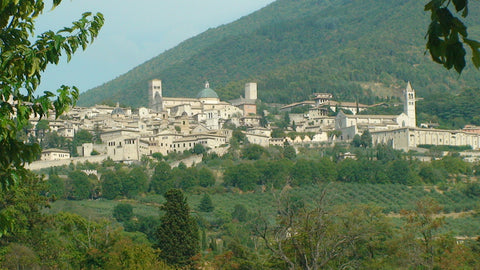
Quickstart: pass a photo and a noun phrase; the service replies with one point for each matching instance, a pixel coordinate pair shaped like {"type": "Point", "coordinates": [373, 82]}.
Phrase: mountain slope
{"type": "Point", "coordinates": [294, 48]}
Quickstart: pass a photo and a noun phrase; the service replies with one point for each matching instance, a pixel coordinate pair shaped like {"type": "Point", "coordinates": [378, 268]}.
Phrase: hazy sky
{"type": "Point", "coordinates": [134, 32]}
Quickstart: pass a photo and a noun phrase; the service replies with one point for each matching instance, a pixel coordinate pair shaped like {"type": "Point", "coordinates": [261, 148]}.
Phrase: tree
{"type": "Point", "coordinates": [126, 254]}
{"type": "Point", "coordinates": [302, 172]}
{"type": "Point", "coordinates": [366, 139]}
{"type": "Point", "coordinates": [421, 228]}
{"type": "Point", "coordinates": [24, 55]}
{"type": "Point", "coordinates": [319, 237]}
{"type": "Point", "coordinates": [161, 178]}
{"type": "Point", "coordinates": [357, 141]}
{"type": "Point", "coordinates": [206, 204]}
{"type": "Point", "coordinates": [24, 203]}
{"type": "Point", "coordinates": [252, 151]}
{"type": "Point", "coordinates": [199, 149]}
{"type": "Point", "coordinates": [177, 235]}
{"type": "Point", "coordinates": [111, 185]}
{"type": "Point", "coordinates": [135, 183]}
{"type": "Point", "coordinates": [56, 186]}
{"type": "Point", "coordinates": [244, 176]}
{"type": "Point", "coordinates": [444, 32]}
{"type": "Point", "coordinates": [42, 126]}
{"type": "Point", "coordinates": [23, 59]}
{"type": "Point", "coordinates": [240, 212]}
{"type": "Point", "coordinates": [289, 152]}
{"type": "Point", "coordinates": [206, 177]}
{"type": "Point", "coordinates": [123, 212]}
{"type": "Point", "coordinates": [80, 187]}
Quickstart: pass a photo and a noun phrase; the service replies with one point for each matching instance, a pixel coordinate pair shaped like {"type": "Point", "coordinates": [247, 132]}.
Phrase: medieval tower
{"type": "Point", "coordinates": [251, 91]}
{"type": "Point", "coordinates": [409, 105]}
{"type": "Point", "coordinates": [155, 95]}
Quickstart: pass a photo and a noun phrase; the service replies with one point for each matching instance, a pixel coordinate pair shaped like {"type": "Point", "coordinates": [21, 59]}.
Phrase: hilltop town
{"type": "Point", "coordinates": [178, 124]}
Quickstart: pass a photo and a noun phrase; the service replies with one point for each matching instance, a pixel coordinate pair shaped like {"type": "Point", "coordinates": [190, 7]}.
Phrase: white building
{"type": "Point", "coordinates": [350, 125]}
{"type": "Point", "coordinates": [407, 138]}
{"type": "Point", "coordinates": [54, 154]}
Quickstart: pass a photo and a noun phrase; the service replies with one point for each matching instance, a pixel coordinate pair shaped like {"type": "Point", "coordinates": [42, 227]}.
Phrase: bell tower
{"type": "Point", "coordinates": [409, 105]}
{"type": "Point", "coordinates": [155, 95]}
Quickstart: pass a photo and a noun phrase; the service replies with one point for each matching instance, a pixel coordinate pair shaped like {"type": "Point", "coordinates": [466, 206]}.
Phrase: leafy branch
{"type": "Point", "coordinates": [447, 35]}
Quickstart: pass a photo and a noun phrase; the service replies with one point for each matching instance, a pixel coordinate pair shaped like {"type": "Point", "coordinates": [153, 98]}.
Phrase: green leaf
{"type": "Point", "coordinates": [459, 4]}
{"type": "Point", "coordinates": [56, 3]}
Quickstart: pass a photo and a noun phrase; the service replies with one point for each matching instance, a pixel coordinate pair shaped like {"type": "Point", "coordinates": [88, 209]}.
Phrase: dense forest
{"type": "Point", "coordinates": [354, 50]}
{"type": "Point", "coordinates": [382, 210]}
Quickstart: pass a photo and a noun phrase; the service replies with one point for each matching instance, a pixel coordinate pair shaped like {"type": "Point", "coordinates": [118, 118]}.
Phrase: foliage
{"type": "Point", "coordinates": [79, 186]}
{"type": "Point", "coordinates": [23, 203]}
{"type": "Point", "coordinates": [421, 228]}
{"type": "Point", "coordinates": [443, 35]}
{"type": "Point", "coordinates": [123, 212]}
{"type": "Point", "coordinates": [126, 254]}
{"type": "Point", "coordinates": [199, 149]}
{"type": "Point", "coordinates": [366, 139]}
{"type": "Point", "coordinates": [240, 213]}
{"type": "Point", "coordinates": [244, 176]}
{"type": "Point", "coordinates": [319, 237]}
{"type": "Point", "coordinates": [56, 186]}
{"type": "Point", "coordinates": [23, 59]}
{"type": "Point", "coordinates": [161, 176]}
{"type": "Point", "coordinates": [252, 151]}
{"type": "Point", "coordinates": [205, 177]}
{"type": "Point", "coordinates": [53, 140]}
{"type": "Point", "coordinates": [455, 148]}
{"type": "Point", "coordinates": [135, 183]}
{"type": "Point", "coordinates": [447, 108]}
{"type": "Point", "coordinates": [177, 235]}
{"type": "Point", "coordinates": [289, 152]}
{"type": "Point", "coordinates": [206, 204]}
{"type": "Point", "coordinates": [111, 185]}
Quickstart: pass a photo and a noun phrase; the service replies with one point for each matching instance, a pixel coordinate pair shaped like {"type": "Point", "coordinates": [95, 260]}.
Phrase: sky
{"type": "Point", "coordinates": [134, 32]}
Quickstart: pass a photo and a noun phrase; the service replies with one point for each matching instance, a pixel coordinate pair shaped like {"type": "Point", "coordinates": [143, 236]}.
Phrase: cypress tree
{"type": "Point", "coordinates": [206, 204]}
{"type": "Point", "coordinates": [177, 235]}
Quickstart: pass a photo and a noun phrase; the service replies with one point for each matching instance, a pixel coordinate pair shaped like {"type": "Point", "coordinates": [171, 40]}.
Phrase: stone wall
{"type": "Point", "coordinates": [37, 165]}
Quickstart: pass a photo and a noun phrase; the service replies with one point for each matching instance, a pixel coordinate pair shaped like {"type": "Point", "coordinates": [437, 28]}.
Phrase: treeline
{"type": "Point", "coordinates": [124, 181]}
{"type": "Point", "coordinates": [379, 165]}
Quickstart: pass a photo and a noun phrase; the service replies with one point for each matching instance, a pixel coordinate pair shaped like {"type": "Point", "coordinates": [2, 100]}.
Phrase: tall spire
{"type": "Point", "coordinates": [409, 87]}
{"type": "Point", "coordinates": [409, 105]}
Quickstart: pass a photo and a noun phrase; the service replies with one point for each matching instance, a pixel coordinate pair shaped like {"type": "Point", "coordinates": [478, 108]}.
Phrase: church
{"type": "Point", "coordinates": [401, 131]}
{"type": "Point", "coordinates": [350, 125]}
{"type": "Point", "coordinates": [206, 107]}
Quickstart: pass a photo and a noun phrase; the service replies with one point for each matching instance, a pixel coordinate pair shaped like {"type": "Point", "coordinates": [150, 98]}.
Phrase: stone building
{"type": "Point", "coordinates": [54, 154]}
{"type": "Point", "coordinates": [350, 125]}
{"type": "Point", "coordinates": [406, 138]}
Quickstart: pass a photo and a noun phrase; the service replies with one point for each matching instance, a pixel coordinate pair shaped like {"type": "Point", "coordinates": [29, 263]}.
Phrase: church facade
{"type": "Point", "coordinates": [350, 125]}
{"type": "Point", "coordinates": [405, 135]}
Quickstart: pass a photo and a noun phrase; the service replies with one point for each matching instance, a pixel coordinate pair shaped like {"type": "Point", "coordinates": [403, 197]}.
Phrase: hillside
{"type": "Point", "coordinates": [294, 48]}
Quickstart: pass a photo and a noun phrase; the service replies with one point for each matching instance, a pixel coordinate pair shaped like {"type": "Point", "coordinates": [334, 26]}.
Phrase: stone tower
{"type": "Point", "coordinates": [155, 95]}
{"type": "Point", "coordinates": [409, 105]}
{"type": "Point", "coordinates": [251, 91]}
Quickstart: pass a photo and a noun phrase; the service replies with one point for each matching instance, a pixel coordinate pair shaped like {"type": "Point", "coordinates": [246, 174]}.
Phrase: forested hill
{"type": "Point", "coordinates": [292, 48]}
